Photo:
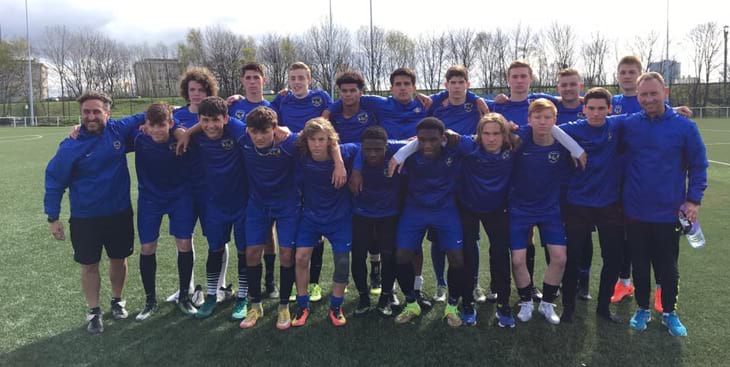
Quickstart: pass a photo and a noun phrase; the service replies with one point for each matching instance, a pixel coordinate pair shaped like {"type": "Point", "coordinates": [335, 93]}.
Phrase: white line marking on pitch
{"type": "Point", "coordinates": [718, 162]}
{"type": "Point", "coordinates": [708, 144]}
{"type": "Point", "coordinates": [716, 131]}
{"type": "Point", "coordinates": [13, 139]}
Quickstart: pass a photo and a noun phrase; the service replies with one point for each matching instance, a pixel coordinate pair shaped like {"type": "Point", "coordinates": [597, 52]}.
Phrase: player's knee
{"type": "Point", "coordinates": [302, 258]}
{"type": "Point", "coordinates": [518, 260]}
{"type": "Point", "coordinates": [184, 245]}
{"type": "Point", "coordinates": [403, 257]}
{"type": "Point", "coordinates": [342, 267]}
{"type": "Point", "coordinates": [286, 257]}
{"type": "Point", "coordinates": [148, 248]}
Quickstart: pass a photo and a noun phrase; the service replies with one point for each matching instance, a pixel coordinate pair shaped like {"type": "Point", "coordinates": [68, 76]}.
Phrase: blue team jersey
{"type": "Point", "coordinates": [566, 114]}
{"type": "Point", "coordinates": [323, 203]}
{"type": "Point", "coordinates": [597, 186]}
{"type": "Point", "coordinates": [94, 168]}
{"type": "Point", "coordinates": [241, 108]}
{"type": "Point", "coordinates": [485, 177]}
{"type": "Point", "coordinates": [667, 165]}
{"type": "Point", "coordinates": [223, 163]}
{"type": "Point", "coordinates": [621, 104]}
{"type": "Point", "coordinates": [380, 194]}
{"type": "Point", "coordinates": [271, 171]}
{"type": "Point", "coordinates": [350, 129]}
{"type": "Point", "coordinates": [537, 177]}
{"type": "Point", "coordinates": [399, 120]}
{"type": "Point", "coordinates": [517, 112]}
{"type": "Point", "coordinates": [187, 119]}
{"type": "Point", "coordinates": [431, 182]}
{"type": "Point", "coordinates": [461, 118]}
{"type": "Point", "coordinates": [162, 175]}
{"type": "Point", "coordinates": [295, 112]}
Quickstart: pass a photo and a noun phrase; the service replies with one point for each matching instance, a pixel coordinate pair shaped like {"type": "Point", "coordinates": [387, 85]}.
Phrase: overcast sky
{"type": "Point", "coordinates": [137, 21]}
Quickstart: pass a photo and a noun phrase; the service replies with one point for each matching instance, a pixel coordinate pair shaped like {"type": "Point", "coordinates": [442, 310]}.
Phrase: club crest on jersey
{"type": "Point", "coordinates": [553, 157]}
{"type": "Point", "coordinates": [449, 161]}
{"type": "Point", "coordinates": [240, 114]}
{"type": "Point", "coordinates": [317, 101]}
{"type": "Point", "coordinates": [117, 144]}
{"type": "Point", "coordinates": [468, 107]}
{"type": "Point", "coordinates": [362, 117]}
{"type": "Point", "coordinates": [172, 146]}
{"type": "Point", "coordinates": [505, 154]}
{"type": "Point", "coordinates": [610, 136]}
{"type": "Point", "coordinates": [581, 115]}
{"type": "Point", "coordinates": [227, 144]}
{"type": "Point", "coordinates": [617, 109]}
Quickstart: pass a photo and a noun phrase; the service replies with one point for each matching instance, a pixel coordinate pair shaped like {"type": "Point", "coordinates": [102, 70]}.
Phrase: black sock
{"type": "Point", "coordinates": [315, 267]}
{"type": "Point", "coordinates": [525, 293]}
{"type": "Point", "coordinates": [374, 268]}
{"type": "Point", "coordinates": [286, 275]}
{"type": "Point", "coordinates": [148, 271]}
{"type": "Point", "coordinates": [95, 310]}
{"type": "Point", "coordinates": [254, 276]}
{"type": "Point", "coordinates": [548, 292]}
{"type": "Point", "coordinates": [453, 280]}
{"type": "Point", "coordinates": [387, 274]}
{"type": "Point", "coordinates": [213, 271]}
{"type": "Point", "coordinates": [405, 275]}
{"type": "Point", "coordinates": [243, 277]}
{"type": "Point", "coordinates": [184, 270]}
{"type": "Point", "coordinates": [269, 260]}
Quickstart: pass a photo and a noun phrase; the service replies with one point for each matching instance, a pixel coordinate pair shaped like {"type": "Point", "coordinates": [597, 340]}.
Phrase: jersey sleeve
{"type": "Point", "coordinates": [406, 151]}
{"type": "Point", "coordinates": [566, 141]}
{"type": "Point", "coordinates": [58, 178]}
{"type": "Point", "coordinates": [128, 124]}
{"type": "Point", "coordinates": [696, 158]}
{"type": "Point", "coordinates": [466, 144]}
{"type": "Point", "coordinates": [349, 151]}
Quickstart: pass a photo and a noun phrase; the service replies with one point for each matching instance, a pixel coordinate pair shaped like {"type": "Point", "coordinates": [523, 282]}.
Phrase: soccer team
{"type": "Point", "coordinates": [303, 168]}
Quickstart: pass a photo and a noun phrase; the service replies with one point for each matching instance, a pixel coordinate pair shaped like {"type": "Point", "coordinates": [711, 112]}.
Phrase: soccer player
{"type": "Point", "coordinates": [164, 188]}
{"type": "Point", "coordinates": [327, 211]}
{"type": "Point", "coordinates": [253, 79]}
{"type": "Point", "coordinates": [430, 203]}
{"type": "Point", "coordinates": [196, 84]}
{"type": "Point", "coordinates": [593, 201]}
{"type": "Point", "coordinates": [460, 112]}
{"type": "Point", "coordinates": [666, 173]}
{"type": "Point", "coordinates": [398, 114]}
{"type": "Point", "coordinates": [297, 106]}
{"type": "Point", "coordinates": [375, 216]}
{"type": "Point", "coordinates": [535, 201]}
{"type": "Point", "coordinates": [222, 161]}
{"type": "Point", "coordinates": [94, 169]}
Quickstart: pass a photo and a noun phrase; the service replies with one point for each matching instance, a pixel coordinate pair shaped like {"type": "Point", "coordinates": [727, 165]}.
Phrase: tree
{"type": "Point", "coordinates": [431, 52]}
{"type": "Point", "coordinates": [372, 49]}
{"type": "Point", "coordinates": [401, 51]}
{"type": "Point", "coordinates": [461, 48]}
{"type": "Point", "coordinates": [12, 72]}
{"type": "Point", "coordinates": [276, 53]}
{"type": "Point", "coordinates": [53, 48]}
{"type": "Point", "coordinates": [705, 39]}
{"type": "Point", "coordinates": [561, 40]}
{"type": "Point", "coordinates": [644, 47]}
{"type": "Point", "coordinates": [327, 50]}
{"type": "Point", "coordinates": [523, 43]}
{"type": "Point", "coordinates": [594, 58]}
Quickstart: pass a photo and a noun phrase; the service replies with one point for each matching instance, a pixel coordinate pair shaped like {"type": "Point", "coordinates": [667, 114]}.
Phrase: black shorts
{"type": "Point", "coordinates": [114, 232]}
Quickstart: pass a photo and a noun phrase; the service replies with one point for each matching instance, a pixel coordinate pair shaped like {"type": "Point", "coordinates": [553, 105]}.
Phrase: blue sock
{"type": "Point", "coordinates": [303, 301]}
{"type": "Point", "coordinates": [336, 302]}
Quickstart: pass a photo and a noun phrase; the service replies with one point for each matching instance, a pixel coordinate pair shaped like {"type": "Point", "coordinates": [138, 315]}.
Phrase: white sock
{"type": "Point", "coordinates": [374, 257]}
{"type": "Point", "coordinates": [192, 273]}
{"type": "Point", "coordinates": [418, 283]}
{"type": "Point", "coordinates": [224, 267]}
{"type": "Point", "coordinates": [626, 282]}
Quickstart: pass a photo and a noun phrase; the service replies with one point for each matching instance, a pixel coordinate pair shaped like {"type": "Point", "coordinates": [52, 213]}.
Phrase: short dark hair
{"type": "Point", "coordinates": [351, 77]}
{"type": "Point", "coordinates": [457, 70]}
{"type": "Point", "coordinates": [253, 66]}
{"type": "Point", "coordinates": [376, 133]}
{"type": "Point", "coordinates": [403, 72]}
{"type": "Point", "coordinates": [431, 123]}
{"type": "Point", "coordinates": [262, 118]}
{"type": "Point", "coordinates": [97, 95]}
{"type": "Point", "coordinates": [213, 106]}
{"type": "Point", "coordinates": [202, 76]}
{"type": "Point", "coordinates": [159, 113]}
{"type": "Point", "coordinates": [598, 93]}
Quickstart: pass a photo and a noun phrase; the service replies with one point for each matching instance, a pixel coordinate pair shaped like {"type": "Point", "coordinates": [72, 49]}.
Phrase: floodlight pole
{"type": "Point", "coordinates": [30, 67]}
{"type": "Point", "coordinates": [724, 70]}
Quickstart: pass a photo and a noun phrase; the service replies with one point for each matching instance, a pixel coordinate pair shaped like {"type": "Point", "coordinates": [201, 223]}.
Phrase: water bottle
{"type": "Point", "coordinates": [692, 230]}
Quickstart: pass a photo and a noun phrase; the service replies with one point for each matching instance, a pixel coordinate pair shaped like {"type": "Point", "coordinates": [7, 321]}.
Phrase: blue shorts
{"type": "Point", "coordinates": [150, 213]}
{"type": "Point", "coordinates": [442, 222]}
{"type": "Point", "coordinates": [338, 233]}
{"type": "Point", "coordinates": [520, 225]}
{"type": "Point", "coordinates": [260, 217]}
{"type": "Point", "coordinates": [219, 225]}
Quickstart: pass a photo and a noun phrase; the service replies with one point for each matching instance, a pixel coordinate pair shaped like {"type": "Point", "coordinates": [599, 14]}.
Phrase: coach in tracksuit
{"type": "Point", "coordinates": [666, 172]}
{"type": "Point", "coordinates": [94, 169]}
